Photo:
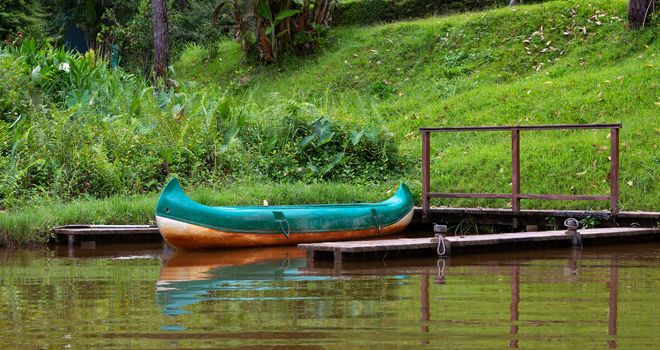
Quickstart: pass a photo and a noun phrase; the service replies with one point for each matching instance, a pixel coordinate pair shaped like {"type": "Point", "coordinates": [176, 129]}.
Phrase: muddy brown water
{"type": "Point", "coordinates": [142, 296]}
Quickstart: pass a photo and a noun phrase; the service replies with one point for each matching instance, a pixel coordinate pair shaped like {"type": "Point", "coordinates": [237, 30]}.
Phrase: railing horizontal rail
{"type": "Point", "coordinates": [523, 127]}
{"type": "Point", "coordinates": [521, 196]}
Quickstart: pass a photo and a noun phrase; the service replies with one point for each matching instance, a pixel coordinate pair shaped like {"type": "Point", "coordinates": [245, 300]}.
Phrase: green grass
{"type": "Point", "coordinates": [556, 62]}
{"type": "Point", "coordinates": [31, 226]}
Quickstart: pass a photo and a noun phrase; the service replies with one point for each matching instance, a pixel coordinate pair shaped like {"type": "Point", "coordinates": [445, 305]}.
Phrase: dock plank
{"type": "Point", "coordinates": [106, 229]}
{"type": "Point", "coordinates": [539, 237]}
{"type": "Point", "coordinates": [74, 234]}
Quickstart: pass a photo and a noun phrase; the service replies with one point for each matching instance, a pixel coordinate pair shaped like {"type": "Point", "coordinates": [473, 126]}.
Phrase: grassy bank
{"type": "Point", "coordinates": [551, 63]}
{"type": "Point", "coordinates": [340, 126]}
{"type": "Point", "coordinates": [31, 226]}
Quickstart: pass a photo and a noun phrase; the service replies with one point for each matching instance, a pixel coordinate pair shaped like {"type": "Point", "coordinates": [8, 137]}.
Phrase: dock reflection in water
{"type": "Point", "coordinates": [261, 275]}
{"type": "Point", "coordinates": [272, 298]}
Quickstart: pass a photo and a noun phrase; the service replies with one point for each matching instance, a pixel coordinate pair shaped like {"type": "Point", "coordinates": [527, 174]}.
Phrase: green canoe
{"type": "Point", "coordinates": [187, 224]}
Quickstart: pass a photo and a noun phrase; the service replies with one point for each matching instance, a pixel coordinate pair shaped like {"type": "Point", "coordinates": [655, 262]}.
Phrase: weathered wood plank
{"type": "Point", "coordinates": [106, 229]}
{"type": "Point", "coordinates": [539, 237]}
{"type": "Point", "coordinates": [74, 234]}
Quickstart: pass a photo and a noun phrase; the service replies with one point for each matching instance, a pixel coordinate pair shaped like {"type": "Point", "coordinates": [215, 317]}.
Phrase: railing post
{"type": "Point", "coordinates": [614, 170]}
{"type": "Point", "coordinates": [426, 175]}
{"type": "Point", "coordinates": [515, 170]}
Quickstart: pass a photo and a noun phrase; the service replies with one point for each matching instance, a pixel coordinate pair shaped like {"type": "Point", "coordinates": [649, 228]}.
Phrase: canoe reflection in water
{"type": "Point", "coordinates": [190, 277]}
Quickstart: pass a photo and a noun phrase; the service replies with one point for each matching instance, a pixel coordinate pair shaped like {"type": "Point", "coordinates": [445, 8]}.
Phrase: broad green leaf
{"type": "Point", "coordinates": [136, 106]}
{"type": "Point", "coordinates": [229, 137]}
{"type": "Point", "coordinates": [272, 142]}
{"type": "Point", "coordinates": [372, 133]}
{"type": "Point", "coordinates": [356, 136]}
{"type": "Point", "coordinates": [304, 142]}
{"type": "Point", "coordinates": [326, 137]}
{"type": "Point", "coordinates": [338, 158]}
{"type": "Point", "coordinates": [312, 167]}
{"type": "Point", "coordinates": [224, 110]}
{"type": "Point", "coordinates": [264, 10]}
{"type": "Point", "coordinates": [285, 13]}
{"type": "Point", "coordinates": [167, 154]}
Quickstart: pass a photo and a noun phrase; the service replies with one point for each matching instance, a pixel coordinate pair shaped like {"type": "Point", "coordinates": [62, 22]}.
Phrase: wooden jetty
{"type": "Point", "coordinates": [538, 217]}
{"type": "Point", "coordinates": [88, 235]}
{"type": "Point", "coordinates": [340, 251]}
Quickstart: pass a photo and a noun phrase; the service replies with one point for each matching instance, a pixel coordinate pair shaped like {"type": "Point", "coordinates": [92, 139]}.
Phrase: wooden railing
{"type": "Point", "coordinates": [515, 194]}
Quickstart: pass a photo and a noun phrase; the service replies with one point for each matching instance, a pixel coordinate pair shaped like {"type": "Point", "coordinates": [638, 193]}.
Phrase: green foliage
{"type": "Point", "coordinates": [24, 16]}
{"type": "Point", "coordinates": [588, 222]}
{"type": "Point", "coordinates": [92, 131]}
{"type": "Point", "coordinates": [273, 27]}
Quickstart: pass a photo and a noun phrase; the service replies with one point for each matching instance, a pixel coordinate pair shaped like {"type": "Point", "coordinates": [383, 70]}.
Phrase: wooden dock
{"type": "Point", "coordinates": [340, 251]}
{"type": "Point", "coordinates": [538, 217]}
{"type": "Point", "coordinates": [88, 235]}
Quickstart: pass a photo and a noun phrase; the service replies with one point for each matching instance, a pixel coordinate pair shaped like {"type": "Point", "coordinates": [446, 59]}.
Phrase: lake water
{"type": "Point", "coordinates": [137, 296]}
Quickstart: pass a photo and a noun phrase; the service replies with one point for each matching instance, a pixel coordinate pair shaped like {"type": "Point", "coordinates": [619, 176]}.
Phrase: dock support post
{"type": "Point", "coordinates": [614, 171]}
{"type": "Point", "coordinates": [311, 254]}
{"type": "Point", "coordinates": [515, 171]}
{"type": "Point", "coordinates": [338, 257]}
{"type": "Point", "coordinates": [426, 175]}
{"type": "Point", "coordinates": [71, 240]}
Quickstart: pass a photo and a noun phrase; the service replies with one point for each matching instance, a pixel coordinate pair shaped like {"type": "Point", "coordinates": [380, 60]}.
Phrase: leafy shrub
{"type": "Point", "coordinates": [272, 27]}
{"type": "Point", "coordinates": [100, 132]}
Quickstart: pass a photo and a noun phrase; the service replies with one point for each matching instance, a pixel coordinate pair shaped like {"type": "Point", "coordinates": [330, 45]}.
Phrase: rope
{"type": "Point", "coordinates": [288, 228]}
{"type": "Point", "coordinates": [571, 224]}
{"type": "Point", "coordinates": [571, 229]}
{"type": "Point", "coordinates": [441, 242]}
{"type": "Point", "coordinates": [441, 270]}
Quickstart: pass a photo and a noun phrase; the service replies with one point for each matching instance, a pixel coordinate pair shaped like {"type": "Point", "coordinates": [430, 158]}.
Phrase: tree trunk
{"type": "Point", "coordinates": [639, 11]}
{"type": "Point", "coordinates": [161, 39]}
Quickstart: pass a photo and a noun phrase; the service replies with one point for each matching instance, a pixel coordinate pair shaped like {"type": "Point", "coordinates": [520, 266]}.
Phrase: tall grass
{"type": "Point", "coordinates": [29, 226]}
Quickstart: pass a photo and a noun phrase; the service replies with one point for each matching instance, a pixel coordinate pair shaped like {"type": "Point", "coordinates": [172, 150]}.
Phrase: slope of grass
{"type": "Point", "coordinates": [552, 63]}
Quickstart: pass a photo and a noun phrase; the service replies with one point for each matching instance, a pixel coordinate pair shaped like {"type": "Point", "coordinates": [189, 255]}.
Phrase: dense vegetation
{"type": "Point", "coordinates": [75, 127]}
{"type": "Point", "coordinates": [72, 130]}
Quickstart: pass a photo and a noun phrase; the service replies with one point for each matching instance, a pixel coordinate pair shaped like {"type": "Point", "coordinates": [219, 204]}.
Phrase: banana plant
{"type": "Point", "coordinates": [277, 24]}
{"type": "Point", "coordinates": [264, 10]}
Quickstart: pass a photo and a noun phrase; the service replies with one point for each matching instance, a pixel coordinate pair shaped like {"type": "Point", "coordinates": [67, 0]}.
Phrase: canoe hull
{"type": "Point", "coordinates": [184, 235]}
